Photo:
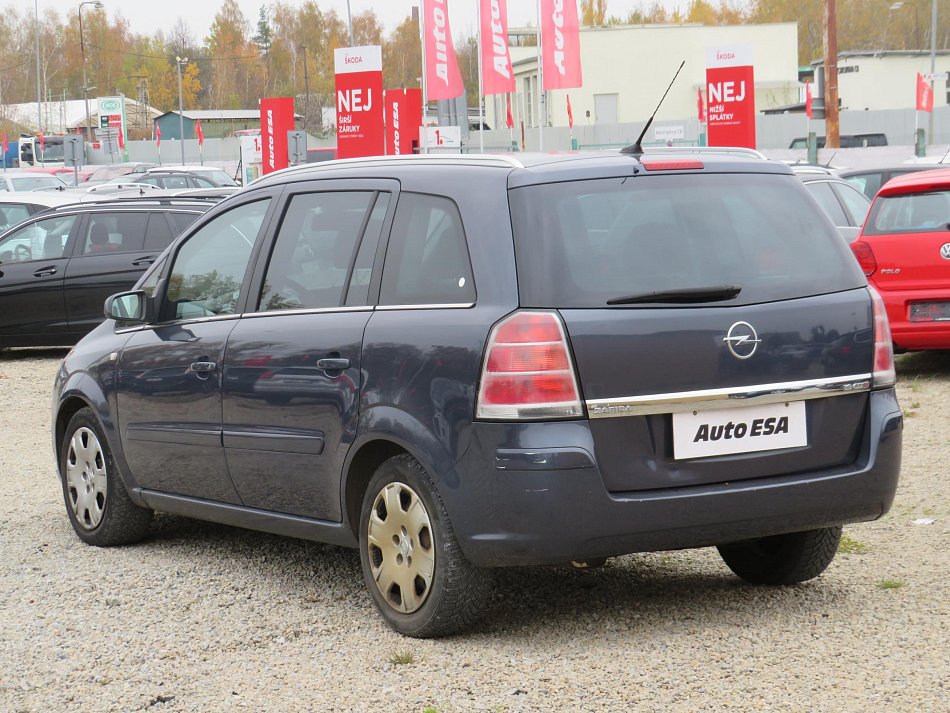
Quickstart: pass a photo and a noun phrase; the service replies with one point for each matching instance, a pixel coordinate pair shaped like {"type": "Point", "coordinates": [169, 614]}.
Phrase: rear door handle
{"type": "Point", "coordinates": [203, 367]}
{"type": "Point", "coordinates": [45, 272]}
{"type": "Point", "coordinates": [143, 261]}
{"type": "Point", "coordinates": [333, 364]}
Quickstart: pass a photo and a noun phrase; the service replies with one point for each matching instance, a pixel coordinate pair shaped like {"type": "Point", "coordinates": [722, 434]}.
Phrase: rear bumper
{"type": "Point", "coordinates": [544, 501]}
{"type": "Point", "coordinates": [915, 335]}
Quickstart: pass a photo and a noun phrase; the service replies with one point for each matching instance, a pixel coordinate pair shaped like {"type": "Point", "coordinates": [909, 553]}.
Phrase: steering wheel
{"type": "Point", "coordinates": [292, 289]}
{"type": "Point", "coordinates": [22, 252]}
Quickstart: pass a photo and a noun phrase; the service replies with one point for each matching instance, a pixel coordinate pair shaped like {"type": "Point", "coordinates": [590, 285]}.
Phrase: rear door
{"type": "Point", "coordinates": [33, 260]}
{"type": "Point", "coordinates": [292, 372]}
{"type": "Point", "coordinates": [110, 256]}
{"type": "Point", "coordinates": [660, 374]}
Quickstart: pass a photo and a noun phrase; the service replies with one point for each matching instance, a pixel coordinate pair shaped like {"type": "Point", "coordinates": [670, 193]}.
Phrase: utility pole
{"type": "Point", "coordinates": [832, 127]}
{"type": "Point", "coordinates": [933, 66]}
{"type": "Point", "coordinates": [85, 83]}
{"type": "Point", "coordinates": [306, 91]}
{"type": "Point", "coordinates": [180, 62]}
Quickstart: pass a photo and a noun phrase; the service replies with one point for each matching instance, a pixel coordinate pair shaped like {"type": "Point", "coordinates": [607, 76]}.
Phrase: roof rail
{"type": "Point", "coordinates": [502, 160]}
{"type": "Point", "coordinates": [106, 199]}
{"type": "Point", "coordinates": [720, 150]}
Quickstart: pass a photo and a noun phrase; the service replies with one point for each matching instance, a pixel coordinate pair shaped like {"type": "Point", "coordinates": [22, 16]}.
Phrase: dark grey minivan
{"type": "Point", "coordinates": [462, 363]}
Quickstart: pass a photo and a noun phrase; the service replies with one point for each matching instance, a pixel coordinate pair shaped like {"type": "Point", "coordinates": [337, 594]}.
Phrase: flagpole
{"type": "Point", "coordinates": [481, 103]}
{"type": "Point", "coordinates": [423, 143]}
{"type": "Point", "coordinates": [540, 80]}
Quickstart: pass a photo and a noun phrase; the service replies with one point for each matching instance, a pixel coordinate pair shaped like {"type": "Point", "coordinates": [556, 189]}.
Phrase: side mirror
{"type": "Point", "coordinates": [128, 307]}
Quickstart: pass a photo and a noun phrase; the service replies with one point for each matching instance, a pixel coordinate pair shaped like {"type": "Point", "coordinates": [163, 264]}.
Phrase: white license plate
{"type": "Point", "coordinates": [699, 434]}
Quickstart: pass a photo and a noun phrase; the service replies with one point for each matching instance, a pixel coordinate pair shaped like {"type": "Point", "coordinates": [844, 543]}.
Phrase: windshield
{"type": "Point", "coordinates": [52, 149]}
{"type": "Point", "coordinates": [32, 183]}
{"type": "Point", "coordinates": [219, 177]}
{"type": "Point", "coordinates": [582, 243]}
{"type": "Point", "coordinates": [909, 213]}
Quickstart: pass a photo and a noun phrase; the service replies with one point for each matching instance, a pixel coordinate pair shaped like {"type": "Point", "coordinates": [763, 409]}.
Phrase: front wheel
{"type": "Point", "coordinates": [415, 571]}
{"type": "Point", "coordinates": [97, 502]}
{"type": "Point", "coordinates": [783, 559]}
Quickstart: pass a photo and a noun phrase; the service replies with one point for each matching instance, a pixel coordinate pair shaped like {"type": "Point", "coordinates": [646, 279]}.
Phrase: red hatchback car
{"type": "Point", "coordinates": [904, 249]}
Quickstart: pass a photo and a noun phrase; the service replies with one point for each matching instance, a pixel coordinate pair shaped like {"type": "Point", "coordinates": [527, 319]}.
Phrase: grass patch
{"type": "Point", "coordinates": [915, 386]}
{"type": "Point", "coordinates": [909, 414]}
{"type": "Point", "coordinates": [397, 658]}
{"type": "Point", "coordinates": [430, 709]}
{"type": "Point", "coordinates": [890, 584]}
{"type": "Point", "coordinates": [851, 546]}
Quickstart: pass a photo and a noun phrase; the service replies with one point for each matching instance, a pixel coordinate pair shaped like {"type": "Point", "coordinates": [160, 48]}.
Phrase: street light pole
{"type": "Point", "coordinates": [306, 90]}
{"type": "Point", "coordinates": [933, 66]}
{"type": "Point", "coordinates": [85, 83]}
{"type": "Point", "coordinates": [349, 20]}
{"type": "Point", "coordinates": [180, 62]}
{"type": "Point", "coordinates": [39, 105]}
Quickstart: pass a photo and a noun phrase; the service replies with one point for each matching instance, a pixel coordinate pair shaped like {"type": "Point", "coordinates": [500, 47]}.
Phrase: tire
{"type": "Point", "coordinates": [97, 503]}
{"type": "Point", "coordinates": [783, 559]}
{"type": "Point", "coordinates": [402, 517]}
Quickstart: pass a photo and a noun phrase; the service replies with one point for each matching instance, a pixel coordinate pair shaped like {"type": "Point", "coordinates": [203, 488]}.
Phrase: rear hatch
{"type": "Point", "coordinates": [907, 233]}
{"type": "Point", "coordinates": [686, 294]}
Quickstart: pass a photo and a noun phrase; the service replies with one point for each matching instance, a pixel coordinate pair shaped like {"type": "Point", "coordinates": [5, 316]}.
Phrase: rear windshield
{"type": "Point", "coordinates": [909, 213]}
{"type": "Point", "coordinates": [581, 243]}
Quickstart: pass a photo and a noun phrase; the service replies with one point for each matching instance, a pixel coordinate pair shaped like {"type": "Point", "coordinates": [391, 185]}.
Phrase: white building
{"type": "Point", "coordinates": [626, 69]}
{"type": "Point", "coordinates": [886, 79]}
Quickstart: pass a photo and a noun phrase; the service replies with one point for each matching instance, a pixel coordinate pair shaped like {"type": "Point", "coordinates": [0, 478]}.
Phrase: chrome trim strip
{"type": "Point", "coordinates": [308, 310]}
{"type": "Point", "coordinates": [735, 397]}
{"type": "Point", "coordinates": [390, 308]}
{"type": "Point", "coordinates": [181, 323]}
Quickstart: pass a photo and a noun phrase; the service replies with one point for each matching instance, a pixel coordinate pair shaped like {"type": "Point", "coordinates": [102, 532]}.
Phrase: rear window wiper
{"type": "Point", "coordinates": [687, 295]}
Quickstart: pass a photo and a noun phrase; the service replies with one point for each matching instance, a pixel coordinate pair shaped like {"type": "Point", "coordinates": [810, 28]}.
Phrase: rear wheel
{"type": "Point", "coordinates": [783, 559]}
{"type": "Point", "coordinates": [414, 569]}
{"type": "Point", "coordinates": [97, 502]}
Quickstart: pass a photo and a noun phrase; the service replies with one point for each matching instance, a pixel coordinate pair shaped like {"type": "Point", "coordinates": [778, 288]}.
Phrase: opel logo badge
{"type": "Point", "coordinates": [945, 251]}
{"type": "Point", "coordinates": [742, 340]}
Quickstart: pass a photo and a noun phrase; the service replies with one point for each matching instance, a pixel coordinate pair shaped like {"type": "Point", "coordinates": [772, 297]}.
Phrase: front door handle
{"type": "Point", "coordinates": [143, 261]}
{"type": "Point", "coordinates": [45, 272]}
{"type": "Point", "coordinates": [333, 364]}
{"type": "Point", "coordinates": [203, 367]}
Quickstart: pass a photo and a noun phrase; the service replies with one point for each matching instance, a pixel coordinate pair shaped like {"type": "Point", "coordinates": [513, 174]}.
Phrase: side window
{"type": "Point", "coordinates": [174, 182]}
{"type": "Point", "coordinates": [202, 182]}
{"type": "Point", "coordinates": [13, 213]}
{"type": "Point", "coordinates": [427, 258]}
{"type": "Point", "coordinates": [152, 278]}
{"type": "Point", "coordinates": [855, 203]}
{"type": "Point", "coordinates": [181, 221]}
{"type": "Point", "coordinates": [821, 192]}
{"type": "Point", "coordinates": [207, 273]}
{"type": "Point", "coordinates": [313, 251]}
{"type": "Point", "coordinates": [158, 235]}
{"type": "Point", "coordinates": [41, 240]}
{"type": "Point", "coordinates": [113, 232]}
{"type": "Point", "coordinates": [358, 291]}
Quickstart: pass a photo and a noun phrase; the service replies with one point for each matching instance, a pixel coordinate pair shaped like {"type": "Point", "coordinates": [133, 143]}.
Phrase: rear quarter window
{"type": "Point", "coordinates": [909, 213]}
{"type": "Point", "coordinates": [581, 243]}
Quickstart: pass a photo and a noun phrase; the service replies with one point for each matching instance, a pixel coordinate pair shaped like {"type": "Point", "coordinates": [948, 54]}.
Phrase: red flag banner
{"type": "Point", "coordinates": [808, 105]}
{"type": "Point", "coordinates": [570, 113]}
{"type": "Point", "coordinates": [199, 132]}
{"type": "Point", "coordinates": [5, 147]}
{"type": "Point", "coordinates": [497, 75]}
{"type": "Point", "coordinates": [700, 106]}
{"type": "Point", "coordinates": [443, 79]}
{"type": "Point", "coordinates": [509, 119]}
{"type": "Point", "coordinates": [925, 95]}
{"type": "Point", "coordinates": [121, 138]}
{"type": "Point", "coordinates": [403, 119]}
{"type": "Point", "coordinates": [158, 135]}
{"type": "Point", "coordinates": [560, 44]}
{"type": "Point", "coordinates": [43, 140]}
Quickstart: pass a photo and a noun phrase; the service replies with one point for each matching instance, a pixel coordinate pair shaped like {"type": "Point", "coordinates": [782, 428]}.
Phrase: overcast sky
{"type": "Point", "coordinates": [145, 16]}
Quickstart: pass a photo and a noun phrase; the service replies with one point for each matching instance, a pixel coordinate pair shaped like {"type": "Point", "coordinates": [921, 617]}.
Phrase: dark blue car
{"type": "Point", "coordinates": [463, 363]}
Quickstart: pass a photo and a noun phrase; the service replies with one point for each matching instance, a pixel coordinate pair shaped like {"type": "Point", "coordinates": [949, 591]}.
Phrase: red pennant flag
{"type": "Point", "coordinates": [199, 133]}
{"type": "Point", "coordinates": [560, 45]}
{"type": "Point", "coordinates": [925, 95]}
{"type": "Point", "coordinates": [700, 106]}
{"type": "Point", "coordinates": [443, 79]}
{"type": "Point", "coordinates": [509, 119]}
{"type": "Point", "coordinates": [4, 142]}
{"type": "Point", "coordinates": [808, 105]}
{"type": "Point", "coordinates": [158, 136]}
{"type": "Point", "coordinates": [121, 137]}
{"type": "Point", "coordinates": [570, 114]}
{"type": "Point", "coordinates": [497, 75]}
{"type": "Point", "coordinates": [43, 139]}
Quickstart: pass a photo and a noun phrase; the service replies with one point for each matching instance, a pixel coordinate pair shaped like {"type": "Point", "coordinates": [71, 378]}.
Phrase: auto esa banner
{"type": "Point", "coordinates": [359, 101]}
{"type": "Point", "coordinates": [497, 75]}
{"type": "Point", "coordinates": [730, 96]}
{"type": "Point", "coordinates": [403, 119]}
{"type": "Point", "coordinates": [560, 44]}
{"type": "Point", "coordinates": [277, 118]}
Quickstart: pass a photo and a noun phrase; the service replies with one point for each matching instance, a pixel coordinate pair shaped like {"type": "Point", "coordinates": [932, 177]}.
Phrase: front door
{"type": "Point", "coordinates": [292, 369]}
{"type": "Point", "coordinates": [169, 373]}
{"type": "Point", "coordinates": [33, 261]}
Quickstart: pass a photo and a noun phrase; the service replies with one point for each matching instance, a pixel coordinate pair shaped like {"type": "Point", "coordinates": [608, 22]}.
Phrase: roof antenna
{"type": "Point", "coordinates": [636, 149]}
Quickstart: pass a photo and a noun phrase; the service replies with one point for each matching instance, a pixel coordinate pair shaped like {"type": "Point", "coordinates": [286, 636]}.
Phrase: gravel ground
{"type": "Point", "coordinates": [202, 617]}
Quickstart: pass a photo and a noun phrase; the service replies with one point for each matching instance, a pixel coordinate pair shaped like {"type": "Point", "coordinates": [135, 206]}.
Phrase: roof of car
{"type": "Point", "coordinates": [917, 182]}
{"type": "Point", "coordinates": [532, 167]}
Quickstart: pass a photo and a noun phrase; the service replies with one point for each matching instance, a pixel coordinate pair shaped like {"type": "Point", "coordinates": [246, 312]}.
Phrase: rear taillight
{"type": "Point", "coordinates": [883, 349]}
{"type": "Point", "coordinates": [862, 251]}
{"type": "Point", "coordinates": [528, 372]}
